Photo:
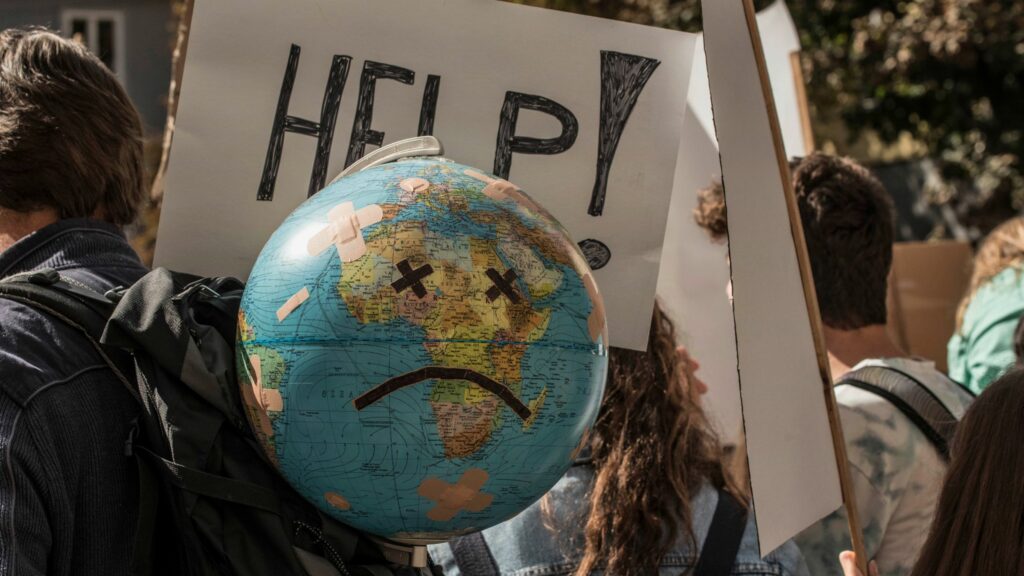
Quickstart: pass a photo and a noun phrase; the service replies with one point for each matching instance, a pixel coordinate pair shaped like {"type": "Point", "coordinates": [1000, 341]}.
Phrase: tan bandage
{"type": "Point", "coordinates": [345, 230]}
{"type": "Point", "coordinates": [414, 185]}
{"type": "Point", "coordinates": [503, 190]}
{"type": "Point", "coordinates": [479, 176]}
{"type": "Point", "coordinates": [337, 501]}
{"type": "Point", "coordinates": [294, 302]}
{"type": "Point", "coordinates": [454, 498]}
{"type": "Point", "coordinates": [268, 398]}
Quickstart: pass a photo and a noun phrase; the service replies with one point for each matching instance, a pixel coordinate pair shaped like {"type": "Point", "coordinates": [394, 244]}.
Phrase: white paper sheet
{"type": "Point", "coordinates": [793, 471]}
{"type": "Point", "coordinates": [213, 224]}
{"type": "Point", "coordinates": [693, 276]}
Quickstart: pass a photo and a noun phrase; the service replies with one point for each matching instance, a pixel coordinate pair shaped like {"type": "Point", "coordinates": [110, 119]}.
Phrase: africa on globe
{"type": "Point", "coordinates": [421, 350]}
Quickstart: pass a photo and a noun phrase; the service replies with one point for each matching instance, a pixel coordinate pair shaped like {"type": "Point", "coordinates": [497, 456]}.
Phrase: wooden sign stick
{"type": "Point", "coordinates": [810, 295]}
{"type": "Point", "coordinates": [801, 101]}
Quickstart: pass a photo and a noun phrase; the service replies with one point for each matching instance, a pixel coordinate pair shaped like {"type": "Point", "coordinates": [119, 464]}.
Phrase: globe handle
{"type": "Point", "coordinates": [408, 148]}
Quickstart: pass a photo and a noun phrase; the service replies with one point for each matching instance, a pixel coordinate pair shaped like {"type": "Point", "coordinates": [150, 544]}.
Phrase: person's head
{"type": "Point", "coordinates": [710, 213]}
{"type": "Point", "coordinates": [652, 450]}
{"type": "Point", "coordinates": [979, 521]}
{"type": "Point", "coordinates": [1003, 248]}
{"type": "Point", "coordinates": [70, 139]}
{"type": "Point", "coordinates": [848, 224]}
{"type": "Point", "coordinates": [847, 219]}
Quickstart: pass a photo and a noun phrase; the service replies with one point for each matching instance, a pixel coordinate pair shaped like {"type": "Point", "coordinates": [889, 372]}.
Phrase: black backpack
{"type": "Point", "coordinates": [911, 397]}
{"type": "Point", "coordinates": [210, 502]}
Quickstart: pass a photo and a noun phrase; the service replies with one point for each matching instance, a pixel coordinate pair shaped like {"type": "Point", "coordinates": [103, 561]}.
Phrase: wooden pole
{"type": "Point", "coordinates": [802, 102]}
{"type": "Point", "coordinates": [173, 93]}
{"type": "Point", "coordinates": [810, 295]}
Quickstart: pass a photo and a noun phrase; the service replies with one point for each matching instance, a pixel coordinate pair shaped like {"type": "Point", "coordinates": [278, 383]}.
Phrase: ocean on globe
{"type": "Point", "coordinates": [422, 349]}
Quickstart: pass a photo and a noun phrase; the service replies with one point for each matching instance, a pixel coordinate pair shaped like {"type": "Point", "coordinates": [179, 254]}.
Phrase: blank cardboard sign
{"type": "Point", "coordinates": [793, 471]}
{"type": "Point", "coordinates": [694, 273]}
{"type": "Point", "coordinates": [928, 280]}
{"type": "Point", "coordinates": [277, 97]}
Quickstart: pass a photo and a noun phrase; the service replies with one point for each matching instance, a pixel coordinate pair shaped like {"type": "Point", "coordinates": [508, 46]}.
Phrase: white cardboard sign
{"type": "Point", "coordinates": [694, 273]}
{"type": "Point", "coordinates": [583, 113]}
{"type": "Point", "coordinates": [793, 471]}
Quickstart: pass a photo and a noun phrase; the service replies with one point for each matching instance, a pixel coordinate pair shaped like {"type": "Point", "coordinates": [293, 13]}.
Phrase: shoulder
{"type": "Point", "coordinates": [37, 350]}
{"type": "Point", "coordinates": [890, 456]}
{"type": "Point", "coordinates": [1001, 299]}
{"type": "Point", "coordinates": [955, 397]}
{"type": "Point", "coordinates": [882, 443]}
{"type": "Point", "coordinates": [865, 414]}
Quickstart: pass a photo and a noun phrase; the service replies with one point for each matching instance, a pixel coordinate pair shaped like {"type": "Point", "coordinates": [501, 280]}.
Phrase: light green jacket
{"type": "Point", "coordinates": [983, 348]}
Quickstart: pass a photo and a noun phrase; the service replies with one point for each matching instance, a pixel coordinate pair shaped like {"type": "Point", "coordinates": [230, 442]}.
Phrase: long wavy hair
{"type": "Point", "coordinates": [1003, 248]}
{"type": "Point", "coordinates": [652, 449]}
{"type": "Point", "coordinates": [979, 522]}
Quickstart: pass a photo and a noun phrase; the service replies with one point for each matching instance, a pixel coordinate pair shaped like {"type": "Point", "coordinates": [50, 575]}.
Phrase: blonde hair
{"type": "Point", "coordinates": [1003, 248]}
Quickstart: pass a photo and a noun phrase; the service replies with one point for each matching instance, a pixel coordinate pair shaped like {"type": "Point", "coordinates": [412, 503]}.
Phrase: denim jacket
{"type": "Point", "coordinates": [524, 546]}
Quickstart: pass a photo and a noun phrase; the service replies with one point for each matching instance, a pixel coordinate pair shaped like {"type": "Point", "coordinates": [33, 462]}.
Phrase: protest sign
{"type": "Point", "coordinates": [927, 282]}
{"type": "Point", "coordinates": [278, 97]}
{"type": "Point", "coordinates": [795, 449]}
{"type": "Point", "coordinates": [694, 273]}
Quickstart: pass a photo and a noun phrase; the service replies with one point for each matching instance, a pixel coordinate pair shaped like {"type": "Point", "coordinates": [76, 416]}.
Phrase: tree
{"type": "Point", "coordinates": [946, 74]}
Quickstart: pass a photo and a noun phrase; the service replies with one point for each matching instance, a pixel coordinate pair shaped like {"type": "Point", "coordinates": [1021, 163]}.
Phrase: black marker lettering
{"type": "Point", "coordinates": [361, 132]}
{"type": "Point", "coordinates": [508, 142]}
{"type": "Point", "coordinates": [429, 108]}
{"type": "Point", "coordinates": [623, 77]}
{"type": "Point", "coordinates": [323, 131]}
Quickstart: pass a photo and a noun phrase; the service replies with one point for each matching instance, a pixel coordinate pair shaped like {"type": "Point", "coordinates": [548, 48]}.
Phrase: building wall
{"type": "Point", "coordinates": [148, 39]}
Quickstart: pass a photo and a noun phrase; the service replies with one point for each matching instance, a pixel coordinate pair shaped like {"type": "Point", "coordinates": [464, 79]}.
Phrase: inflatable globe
{"type": "Point", "coordinates": [421, 350]}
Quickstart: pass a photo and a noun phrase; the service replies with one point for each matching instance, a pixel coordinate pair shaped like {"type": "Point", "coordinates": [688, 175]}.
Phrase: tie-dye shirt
{"type": "Point", "coordinates": [896, 472]}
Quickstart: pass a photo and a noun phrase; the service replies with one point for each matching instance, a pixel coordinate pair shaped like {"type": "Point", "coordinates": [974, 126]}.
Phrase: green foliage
{"type": "Point", "coordinates": [948, 73]}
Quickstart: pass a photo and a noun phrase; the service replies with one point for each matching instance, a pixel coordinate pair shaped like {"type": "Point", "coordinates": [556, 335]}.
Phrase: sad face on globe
{"type": "Point", "coordinates": [422, 348]}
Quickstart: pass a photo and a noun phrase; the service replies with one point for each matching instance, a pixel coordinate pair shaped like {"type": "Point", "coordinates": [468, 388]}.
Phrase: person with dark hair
{"type": "Point", "coordinates": [641, 497]}
{"type": "Point", "coordinates": [896, 466]}
{"type": "Point", "coordinates": [978, 527]}
{"type": "Point", "coordinates": [71, 175]}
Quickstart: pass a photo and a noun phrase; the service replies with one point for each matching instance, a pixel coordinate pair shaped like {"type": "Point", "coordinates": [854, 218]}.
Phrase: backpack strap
{"type": "Point", "coordinates": [212, 485]}
{"type": "Point", "coordinates": [915, 400]}
{"type": "Point", "coordinates": [74, 304]}
{"type": "Point", "coordinates": [473, 557]}
{"type": "Point", "coordinates": [725, 535]}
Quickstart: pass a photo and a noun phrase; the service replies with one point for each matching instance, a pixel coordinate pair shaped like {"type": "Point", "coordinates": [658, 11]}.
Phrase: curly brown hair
{"type": "Point", "coordinates": [711, 213]}
{"type": "Point", "coordinates": [652, 449]}
{"type": "Point", "coordinates": [70, 139]}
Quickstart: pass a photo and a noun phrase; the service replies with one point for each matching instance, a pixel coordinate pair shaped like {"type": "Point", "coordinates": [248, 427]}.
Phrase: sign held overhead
{"type": "Point", "coordinates": [277, 98]}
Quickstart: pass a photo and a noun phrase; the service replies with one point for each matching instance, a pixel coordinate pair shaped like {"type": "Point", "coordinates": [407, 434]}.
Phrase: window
{"type": "Point", "coordinates": [102, 31]}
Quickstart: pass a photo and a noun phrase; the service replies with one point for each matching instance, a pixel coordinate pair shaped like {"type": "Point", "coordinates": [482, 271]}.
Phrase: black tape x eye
{"type": "Point", "coordinates": [502, 285]}
{"type": "Point", "coordinates": [412, 279]}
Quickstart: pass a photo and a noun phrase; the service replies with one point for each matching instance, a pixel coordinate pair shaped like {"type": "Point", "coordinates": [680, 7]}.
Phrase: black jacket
{"type": "Point", "coordinates": [67, 492]}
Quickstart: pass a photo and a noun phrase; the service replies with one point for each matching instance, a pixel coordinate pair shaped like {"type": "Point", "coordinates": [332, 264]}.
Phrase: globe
{"type": "Point", "coordinates": [421, 350]}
